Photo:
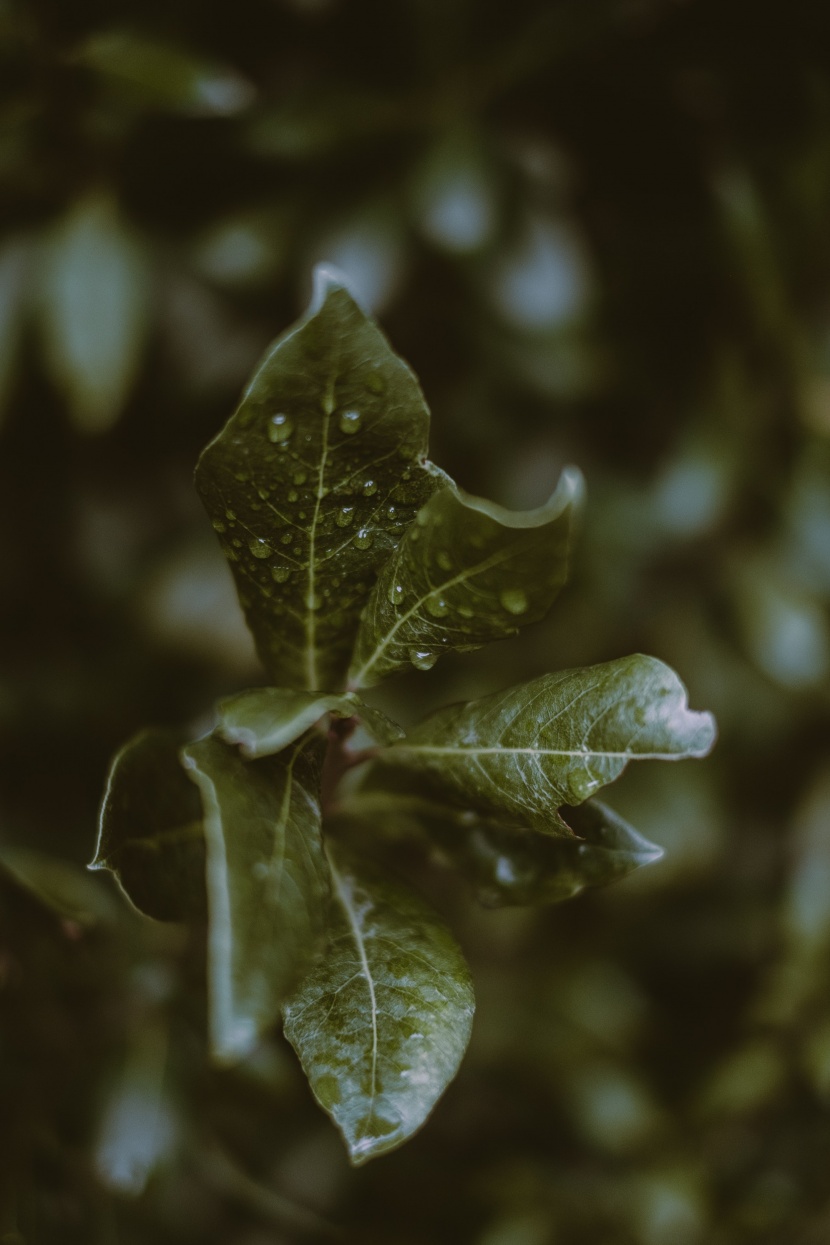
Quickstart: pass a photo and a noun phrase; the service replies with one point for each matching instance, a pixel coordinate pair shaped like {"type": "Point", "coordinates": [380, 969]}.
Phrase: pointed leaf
{"type": "Point", "coordinates": [522, 753]}
{"type": "Point", "coordinates": [266, 882]}
{"type": "Point", "coordinates": [313, 482]}
{"type": "Point", "coordinates": [150, 832]}
{"type": "Point", "coordinates": [382, 1021]}
{"type": "Point", "coordinates": [93, 289]}
{"type": "Point", "coordinates": [466, 572]}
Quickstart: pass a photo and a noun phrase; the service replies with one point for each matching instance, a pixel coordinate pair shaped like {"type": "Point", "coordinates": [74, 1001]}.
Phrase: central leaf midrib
{"type": "Point", "coordinates": [310, 611]}
{"type": "Point", "coordinates": [445, 750]}
{"type": "Point", "coordinates": [366, 973]}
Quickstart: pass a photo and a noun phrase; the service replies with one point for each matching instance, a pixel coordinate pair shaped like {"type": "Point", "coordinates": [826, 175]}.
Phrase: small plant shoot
{"type": "Point", "coordinates": [355, 559]}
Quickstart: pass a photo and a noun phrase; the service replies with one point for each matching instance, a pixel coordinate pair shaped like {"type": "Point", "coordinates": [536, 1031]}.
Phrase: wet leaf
{"type": "Point", "coordinates": [467, 571]}
{"type": "Point", "coordinates": [266, 882]}
{"type": "Point", "coordinates": [522, 753]}
{"type": "Point", "coordinates": [93, 305]}
{"type": "Point", "coordinates": [313, 482]}
{"type": "Point", "coordinates": [382, 1021]}
{"type": "Point", "coordinates": [150, 831]}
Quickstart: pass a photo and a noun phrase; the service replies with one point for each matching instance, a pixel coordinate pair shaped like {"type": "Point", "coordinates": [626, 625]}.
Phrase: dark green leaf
{"type": "Point", "coordinates": [522, 753]}
{"type": "Point", "coordinates": [266, 719]}
{"type": "Point", "coordinates": [61, 888]}
{"type": "Point", "coordinates": [313, 482]}
{"type": "Point", "coordinates": [467, 571]}
{"type": "Point", "coordinates": [266, 881]}
{"type": "Point", "coordinates": [382, 1021]}
{"type": "Point", "coordinates": [150, 832]}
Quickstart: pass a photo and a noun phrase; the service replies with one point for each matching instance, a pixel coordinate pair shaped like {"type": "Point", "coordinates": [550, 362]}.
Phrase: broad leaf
{"type": "Point", "coordinates": [382, 1021]}
{"type": "Point", "coordinates": [150, 832]}
{"type": "Point", "coordinates": [313, 482]}
{"type": "Point", "coordinates": [522, 753]}
{"type": "Point", "coordinates": [507, 865]}
{"type": "Point", "coordinates": [466, 572]}
{"type": "Point", "coordinates": [266, 881]}
{"type": "Point", "coordinates": [266, 719]}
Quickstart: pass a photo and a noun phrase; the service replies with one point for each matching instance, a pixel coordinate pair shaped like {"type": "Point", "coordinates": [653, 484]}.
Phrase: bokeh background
{"type": "Point", "coordinates": [599, 230]}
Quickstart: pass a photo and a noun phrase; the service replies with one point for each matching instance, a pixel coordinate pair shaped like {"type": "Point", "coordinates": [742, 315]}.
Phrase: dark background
{"type": "Point", "coordinates": [600, 233]}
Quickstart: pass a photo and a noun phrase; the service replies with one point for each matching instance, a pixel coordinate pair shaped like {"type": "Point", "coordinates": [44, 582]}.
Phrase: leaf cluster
{"type": "Point", "coordinates": [355, 559]}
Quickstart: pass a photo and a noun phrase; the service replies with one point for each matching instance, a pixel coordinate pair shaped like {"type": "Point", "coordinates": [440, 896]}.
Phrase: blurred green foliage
{"type": "Point", "coordinates": [598, 231]}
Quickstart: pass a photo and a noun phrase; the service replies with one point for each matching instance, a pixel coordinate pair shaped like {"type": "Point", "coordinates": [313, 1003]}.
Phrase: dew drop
{"type": "Point", "coordinates": [259, 548]}
{"type": "Point", "coordinates": [236, 542]}
{"type": "Point", "coordinates": [296, 551]}
{"type": "Point", "coordinates": [299, 477]}
{"type": "Point", "coordinates": [350, 422]}
{"type": "Point", "coordinates": [286, 538]}
{"type": "Point", "coordinates": [422, 659]}
{"type": "Point", "coordinates": [241, 476]}
{"type": "Point", "coordinates": [370, 488]}
{"type": "Point", "coordinates": [364, 538]}
{"type": "Point", "coordinates": [583, 785]}
{"type": "Point", "coordinates": [437, 607]}
{"type": "Point", "coordinates": [293, 495]}
{"type": "Point", "coordinates": [375, 382]}
{"type": "Point", "coordinates": [444, 560]}
{"type": "Point", "coordinates": [344, 516]}
{"type": "Point", "coordinates": [391, 512]}
{"type": "Point", "coordinates": [395, 594]}
{"type": "Point", "coordinates": [465, 611]}
{"type": "Point", "coordinates": [280, 574]}
{"type": "Point", "coordinates": [230, 516]}
{"type": "Point", "coordinates": [280, 428]}
{"type": "Point", "coordinates": [219, 526]}
{"type": "Point", "coordinates": [231, 554]}
{"type": "Point", "coordinates": [263, 494]}
{"type": "Point", "coordinates": [514, 600]}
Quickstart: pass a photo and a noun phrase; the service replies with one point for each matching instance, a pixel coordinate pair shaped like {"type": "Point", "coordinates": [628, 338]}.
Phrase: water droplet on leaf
{"type": "Point", "coordinates": [280, 428]}
{"type": "Point", "coordinates": [364, 538]}
{"type": "Point", "coordinates": [444, 560]}
{"type": "Point", "coordinates": [280, 574]}
{"type": "Point", "coordinates": [344, 516]}
{"type": "Point", "coordinates": [350, 422]}
{"type": "Point", "coordinates": [369, 488]}
{"type": "Point", "coordinates": [514, 600]}
{"type": "Point", "coordinates": [437, 606]}
{"type": "Point", "coordinates": [395, 594]}
{"type": "Point", "coordinates": [259, 548]}
{"type": "Point", "coordinates": [299, 477]}
{"type": "Point", "coordinates": [218, 525]}
{"type": "Point", "coordinates": [422, 659]}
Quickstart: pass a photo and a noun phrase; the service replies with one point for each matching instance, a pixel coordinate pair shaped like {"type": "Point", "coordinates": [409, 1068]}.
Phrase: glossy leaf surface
{"type": "Point", "coordinates": [313, 482]}
{"type": "Point", "coordinates": [150, 832]}
{"type": "Point", "coordinates": [266, 719]}
{"type": "Point", "coordinates": [266, 880]}
{"type": "Point", "coordinates": [466, 572]}
{"type": "Point", "coordinates": [383, 1019]}
{"type": "Point", "coordinates": [522, 753]}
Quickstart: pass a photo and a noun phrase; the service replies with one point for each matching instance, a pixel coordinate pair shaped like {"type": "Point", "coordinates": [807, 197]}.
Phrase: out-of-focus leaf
{"type": "Point", "coordinates": [522, 753]}
{"type": "Point", "coordinates": [466, 572]}
{"type": "Point", "coordinates": [454, 195]}
{"type": "Point", "coordinates": [508, 865]}
{"type": "Point", "coordinates": [150, 832]}
{"type": "Point", "coordinates": [542, 281]}
{"type": "Point", "coordinates": [62, 888]}
{"type": "Point", "coordinates": [246, 249]}
{"type": "Point", "coordinates": [15, 259]}
{"type": "Point", "coordinates": [137, 1132]}
{"type": "Point", "coordinates": [267, 719]}
{"type": "Point", "coordinates": [382, 1021]}
{"type": "Point", "coordinates": [313, 482]}
{"type": "Point", "coordinates": [166, 77]}
{"type": "Point", "coordinates": [785, 629]}
{"type": "Point", "coordinates": [369, 248]}
{"type": "Point", "coordinates": [266, 881]}
{"type": "Point", "coordinates": [93, 304]}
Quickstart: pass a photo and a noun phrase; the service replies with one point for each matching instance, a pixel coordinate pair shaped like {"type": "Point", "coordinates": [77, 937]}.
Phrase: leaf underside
{"type": "Point", "coordinates": [382, 1021]}
{"type": "Point", "coordinates": [466, 572]}
{"type": "Point", "coordinates": [150, 831]}
{"type": "Point", "coordinates": [267, 882]}
{"type": "Point", "coordinates": [519, 755]}
{"type": "Point", "coordinates": [312, 483]}
{"type": "Point", "coordinates": [506, 865]}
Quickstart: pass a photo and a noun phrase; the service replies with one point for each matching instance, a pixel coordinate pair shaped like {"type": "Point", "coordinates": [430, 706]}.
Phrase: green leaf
{"type": "Point", "coordinates": [266, 881]}
{"type": "Point", "coordinates": [93, 310]}
{"type": "Point", "coordinates": [57, 886]}
{"type": "Point", "coordinates": [466, 572]}
{"type": "Point", "coordinates": [522, 753]}
{"type": "Point", "coordinates": [507, 865]}
{"type": "Point", "coordinates": [383, 1019]}
{"type": "Point", "coordinates": [150, 831]}
{"type": "Point", "coordinates": [266, 719]}
{"type": "Point", "coordinates": [313, 482]}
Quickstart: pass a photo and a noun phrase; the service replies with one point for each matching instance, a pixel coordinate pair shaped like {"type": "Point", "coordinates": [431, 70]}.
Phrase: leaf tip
{"type": "Point", "coordinates": [326, 280]}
